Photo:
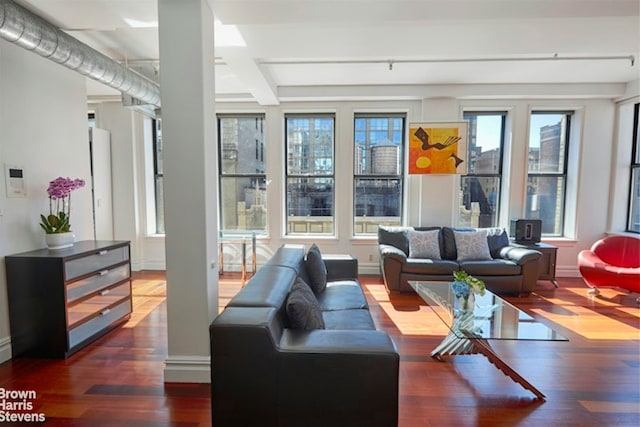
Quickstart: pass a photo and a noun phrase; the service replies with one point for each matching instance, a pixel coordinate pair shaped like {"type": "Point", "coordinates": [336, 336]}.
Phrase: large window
{"type": "Point", "coordinates": [156, 132]}
{"type": "Point", "coordinates": [547, 169]}
{"type": "Point", "coordinates": [310, 173]}
{"type": "Point", "coordinates": [633, 221]}
{"type": "Point", "coordinates": [378, 171]}
{"type": "Point", "coordinates": [480, 187]}
{"type": "Point", "coordinates": [243, 182]}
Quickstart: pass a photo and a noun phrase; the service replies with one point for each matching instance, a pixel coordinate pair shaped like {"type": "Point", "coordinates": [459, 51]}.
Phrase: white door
{"type": "Point", "coordinates": [100, 141]}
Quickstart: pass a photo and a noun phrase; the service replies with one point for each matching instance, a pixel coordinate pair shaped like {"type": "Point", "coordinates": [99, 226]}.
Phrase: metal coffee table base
{"type": "Point", "coordinates": [454, 345]}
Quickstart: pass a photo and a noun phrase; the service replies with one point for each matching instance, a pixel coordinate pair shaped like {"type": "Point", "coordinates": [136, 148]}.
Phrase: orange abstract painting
{"type": "Point", "coordinates": [438, 148]}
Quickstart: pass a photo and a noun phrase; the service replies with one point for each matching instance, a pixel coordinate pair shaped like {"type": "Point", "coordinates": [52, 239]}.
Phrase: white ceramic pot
{"type": "Point", "coordinates": [59, 240]}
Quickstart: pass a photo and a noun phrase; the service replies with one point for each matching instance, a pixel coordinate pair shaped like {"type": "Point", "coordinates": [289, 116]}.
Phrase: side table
{"type": "Point", "coordinates": [547, 270]}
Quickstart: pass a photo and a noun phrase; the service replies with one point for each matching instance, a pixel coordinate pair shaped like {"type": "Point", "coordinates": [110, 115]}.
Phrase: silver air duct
{"type": "Point", "coordinates": [28, 30]}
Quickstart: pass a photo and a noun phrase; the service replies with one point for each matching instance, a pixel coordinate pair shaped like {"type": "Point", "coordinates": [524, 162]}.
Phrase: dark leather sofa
{"type": "Point", "coordinates": [266, 373]}
{"type": "Point", "coordinates": [509, 270]}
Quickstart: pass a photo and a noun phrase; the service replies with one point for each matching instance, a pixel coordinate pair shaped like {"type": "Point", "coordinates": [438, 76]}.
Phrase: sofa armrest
{"type": "Point", "coordinates": [341, 267]}
{"type": "Point", "coordinates": [391, 252]}
{"type": "Point", "coordinates": [519, 255]}
{"type": "Point", "coordinates": [392, 261]}
{"type": "Point", "coordinates": [528, 260]}
{"type": "Point", "coordinates": [338, 377]}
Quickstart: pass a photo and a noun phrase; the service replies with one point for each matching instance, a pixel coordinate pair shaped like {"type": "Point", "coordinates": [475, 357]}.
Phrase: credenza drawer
{"type": "Point", "coordinates": [100, 301]}
{"type": "Point", "coordinates": [106, 317]}
{"type": "Point", "coordinates": [96, 262]}
{"type": "Point", "coordinates": [101, 279]}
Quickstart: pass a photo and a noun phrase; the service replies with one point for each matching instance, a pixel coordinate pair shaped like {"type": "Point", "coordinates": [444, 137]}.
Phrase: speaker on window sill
{"type": "Point", "coordinates": [526, 230]}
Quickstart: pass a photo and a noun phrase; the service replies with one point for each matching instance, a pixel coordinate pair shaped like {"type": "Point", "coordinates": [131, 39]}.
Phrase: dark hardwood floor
{"type": "Point", "coordinates": [592, 380]}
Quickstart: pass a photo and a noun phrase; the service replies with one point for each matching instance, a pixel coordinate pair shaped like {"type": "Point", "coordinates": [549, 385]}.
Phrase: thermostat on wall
{"type": "Point", "coordinates": [14, 180]}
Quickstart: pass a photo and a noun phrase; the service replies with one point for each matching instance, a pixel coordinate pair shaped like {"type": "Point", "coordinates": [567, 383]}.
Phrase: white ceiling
{"type": "Point", "coordinates": [302, 48]}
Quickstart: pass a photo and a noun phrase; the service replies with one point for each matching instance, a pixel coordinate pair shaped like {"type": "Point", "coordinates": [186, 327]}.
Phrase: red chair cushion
{"type": "Point", "coordinates": [620, 251]}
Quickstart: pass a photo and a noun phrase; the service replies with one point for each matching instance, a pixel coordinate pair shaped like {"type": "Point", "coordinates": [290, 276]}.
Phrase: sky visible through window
{"type": "Point", "coordinates": [488, 130]}
{"type": "Point", "coordinates": [538, 121]}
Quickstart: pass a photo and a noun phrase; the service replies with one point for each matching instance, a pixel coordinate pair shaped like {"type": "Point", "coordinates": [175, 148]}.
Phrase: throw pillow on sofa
{"type": "Point", "coordinates": [316, 270]}
{"type": "Point", "coordinates": [424, 244]}
{"type": "Point", "coordinates": [472, 245]}
{"type": "Point", "coordinates": [497, 238]}
{"type": "Point", "coordinates": [302, 307]}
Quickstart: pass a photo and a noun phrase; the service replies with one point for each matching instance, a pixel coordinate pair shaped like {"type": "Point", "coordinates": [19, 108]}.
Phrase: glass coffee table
{"type": "Point", "coordinates": [491, 319]}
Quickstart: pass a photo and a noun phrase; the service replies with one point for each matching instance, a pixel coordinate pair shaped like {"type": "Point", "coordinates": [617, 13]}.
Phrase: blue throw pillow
{"type": "Point", "coordinates": [497, 238]}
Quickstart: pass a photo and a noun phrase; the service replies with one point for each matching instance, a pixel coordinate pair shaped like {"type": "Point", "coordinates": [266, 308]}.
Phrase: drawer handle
{"type": "Point", "coordinates": [105, 312]}
{"type": "Point", "coordinates": [105, 292]}
{"type": "Point", "coordinates": [102, 252]}
{"type": "Point", "coordinates": [103, 272]}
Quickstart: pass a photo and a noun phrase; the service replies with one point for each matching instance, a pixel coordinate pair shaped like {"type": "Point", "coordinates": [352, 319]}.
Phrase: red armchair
{"type": "Point", "coordinates": [612, 261]}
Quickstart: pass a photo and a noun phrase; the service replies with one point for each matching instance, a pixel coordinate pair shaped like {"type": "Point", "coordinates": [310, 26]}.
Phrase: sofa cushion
{"type": "Point", "coordinates": [316, 270]}
{"type": "Point", "coordinates": [302, 307]}
{"type": "Point", "coordinates": [449, 242]}
{"type": "Point", "coordinates": [342, 295]}
{"type": "Point", "coordinates": [471, 245]}
{"type": "Point", "coordinates": [394, 236]}
{"type": "Point", "coordinates": [355, 319]}
{"type": "Point", "coordinates": [494, 267]}
{"type": "Point", "coordinates": [424, 244]}
{"type": "Point", "coordinates": [430, 266]}
{"type": "Point", "coordinates": [497, 238]}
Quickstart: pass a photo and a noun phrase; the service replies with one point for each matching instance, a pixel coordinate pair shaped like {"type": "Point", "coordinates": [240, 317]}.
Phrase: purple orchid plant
{"type": "Point", "coordinates": [59, 205]}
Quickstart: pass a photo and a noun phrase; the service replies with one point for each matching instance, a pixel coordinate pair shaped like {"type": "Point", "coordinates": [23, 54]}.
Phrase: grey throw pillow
{"type": "Point", "coordinates": [472, 245]}
{"type": "Point", "coordinates": [424, 244]}
{"type": "Point", "coordinates": [316, 270]}
{"type": "Point", "coordinates": [302, 307]}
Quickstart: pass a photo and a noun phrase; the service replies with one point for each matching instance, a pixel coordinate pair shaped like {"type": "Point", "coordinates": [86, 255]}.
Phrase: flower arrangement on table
{"type": "Point", "coordinates": [59, 205]}
{"type": "Point", "coordinates": [465, 287]}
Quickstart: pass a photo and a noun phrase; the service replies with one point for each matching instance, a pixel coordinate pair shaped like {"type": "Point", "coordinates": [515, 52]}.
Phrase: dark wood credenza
{"type": "Point", "coordinates": [60, 301]}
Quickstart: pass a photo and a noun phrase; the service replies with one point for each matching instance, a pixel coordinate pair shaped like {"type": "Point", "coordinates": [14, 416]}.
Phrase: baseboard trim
{"type": "Point", "coordinates": [368, 268]}
{"type": "Point", "coordinates": [5, 349]}
{"type": "Point", "coordinates": [567, 271]}
{"type": "Point", "coordinates": [187, 369]}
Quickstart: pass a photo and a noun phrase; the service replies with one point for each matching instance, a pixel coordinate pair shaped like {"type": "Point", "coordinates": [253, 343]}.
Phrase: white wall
{"type": "Point", "coordinates": [43, 128]}
{"type": "Point", "coordinates": [126, 128]}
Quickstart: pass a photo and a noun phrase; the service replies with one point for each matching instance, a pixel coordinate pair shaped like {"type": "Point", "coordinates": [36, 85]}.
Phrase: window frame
{"type": "Point", "coordinates": [222, 175]}
{"type": "Point", "coordinates": [634, 168]}
{"type": "Point", "coordinates": [288, 175]}
{"type": "Point", "coordinates": [503, 126]}
{"type": "Point", "coordinates": [400, 176]}
{"type": "Point", "coordinates": [565, 165]}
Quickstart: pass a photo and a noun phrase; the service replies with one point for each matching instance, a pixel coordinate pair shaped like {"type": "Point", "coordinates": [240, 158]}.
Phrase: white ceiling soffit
{"type": "Point", "coordinates": [295, 48]}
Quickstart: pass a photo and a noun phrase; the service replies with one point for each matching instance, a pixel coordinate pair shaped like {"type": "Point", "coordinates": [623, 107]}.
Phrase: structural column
{"type": "Point", "coordinates": [190, 184]}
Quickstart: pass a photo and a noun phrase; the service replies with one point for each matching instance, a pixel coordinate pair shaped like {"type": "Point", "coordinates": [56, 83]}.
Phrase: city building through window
{"type": "Point", "coordinates": [310, 174]}
{"type": "Point", "coordinates": [480, 188]}
{"type": "Point", "coordinates": [378, 171]}
{"type": "Point", "coordinates": [547, 169]}
{"type": "Point", "coordinates": [243, 181]}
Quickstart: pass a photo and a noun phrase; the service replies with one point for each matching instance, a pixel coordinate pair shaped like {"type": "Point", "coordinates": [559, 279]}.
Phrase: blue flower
{"type": "Point", "coordinates": [460, 289]}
